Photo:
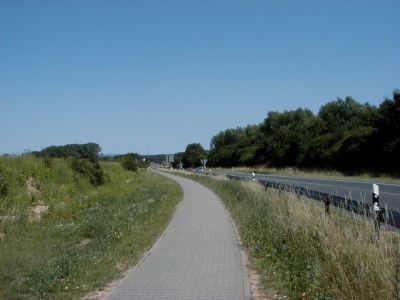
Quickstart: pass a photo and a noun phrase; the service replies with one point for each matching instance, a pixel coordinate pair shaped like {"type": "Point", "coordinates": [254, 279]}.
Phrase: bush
{"type": "Point", "coordinates": [129, 164]}
{"type": "Point", "coordinates": [90, 169]}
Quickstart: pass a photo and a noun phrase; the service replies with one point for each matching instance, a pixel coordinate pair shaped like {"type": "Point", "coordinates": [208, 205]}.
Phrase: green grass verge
{"type": "Point", "coordinates": [88, 237]}
{"type": "Point", "coordinates": [300, 252]}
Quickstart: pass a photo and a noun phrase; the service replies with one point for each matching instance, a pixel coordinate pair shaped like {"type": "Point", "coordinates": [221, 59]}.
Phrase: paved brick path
{"type": "Point", "coordinates": [198, 256]}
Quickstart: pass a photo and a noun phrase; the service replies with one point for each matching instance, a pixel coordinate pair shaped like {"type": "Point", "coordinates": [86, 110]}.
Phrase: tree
{"type": "Point", "coordinates": [285, 135]}
{"type": "Point", "coordinates": [177, 159]}
{"type": "Point", "coordinates": [89, 150]}
{"type": "Point", "coordinates": [342, 115]}
{"type": "Point", "coordinates": [192, 155]}
{"type": "Point", "coordinates": [131, 161]}
{"type": "Point", "coordinates": [387, 137]}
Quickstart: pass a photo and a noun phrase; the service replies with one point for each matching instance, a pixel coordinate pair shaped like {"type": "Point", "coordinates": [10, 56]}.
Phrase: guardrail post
{"type": "Point", "coordinates": [327, 202]}
{"type": "Point", "coordinates": [298, 193]}
{"type": "Point", "coordinates": [376, 208]}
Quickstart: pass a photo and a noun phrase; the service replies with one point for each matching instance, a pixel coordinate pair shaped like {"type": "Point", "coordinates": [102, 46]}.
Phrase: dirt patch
{"type": "Point", "coordinates": [84, 243]}
{"type": "Point", "coordinates": [256, 293]}
{"type": "Point", "coordinates": [8, 218]}
{"type": "Point", "coordinates": [32, 186]}
{"type": "Point", "coordinates": [38, 210]}
{"type": "Point", "coordinates": [98, 295]}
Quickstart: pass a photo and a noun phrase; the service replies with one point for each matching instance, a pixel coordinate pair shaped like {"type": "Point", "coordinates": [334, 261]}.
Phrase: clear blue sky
{"type": "Point", "coordinates": [155, 76]}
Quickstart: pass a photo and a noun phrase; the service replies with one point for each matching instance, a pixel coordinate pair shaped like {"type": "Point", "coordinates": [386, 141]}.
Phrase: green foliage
{"type": "Point", "coordinates": [233, 146]}
{"type": "Point", "coordinates": [89, 237]}
{"type": "Point", "coordinates": [178, 158]}
{"type": "Point", "coordinates": [90, 151]}
{"type": "Point", "coordinates": [345, 115]}
{"type": "Point", "coordinates": [192, 155]}
{"type": "Point", "coordinates": [129, 164]}
{"type": "Point", "coordinates": [90, 169]}
{"type": "Point", "coordinates": [132, 161]}
{"type": "Point", "coordinates": [286, 135]}
{"type": "Point", "coordinates": [345, 135]}
{"type": "Point", "coordinates": [386, 140]}
{"type": "Point", "coordinates": [20, 174]}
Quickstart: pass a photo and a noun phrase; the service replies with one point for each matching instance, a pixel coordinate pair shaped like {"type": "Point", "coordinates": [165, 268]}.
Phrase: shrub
{"type": "Point", "coordinates": [129, 164]}
{"type": "Point", "coordinates": [92, 170]}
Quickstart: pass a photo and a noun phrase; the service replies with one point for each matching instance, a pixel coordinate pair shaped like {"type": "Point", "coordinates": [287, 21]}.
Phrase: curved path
{"type": "Point", "coordinates": [198, 256]}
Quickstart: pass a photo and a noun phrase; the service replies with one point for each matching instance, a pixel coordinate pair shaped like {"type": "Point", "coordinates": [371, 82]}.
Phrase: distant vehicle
{"type": "Point", "coordinates": [190, 169]}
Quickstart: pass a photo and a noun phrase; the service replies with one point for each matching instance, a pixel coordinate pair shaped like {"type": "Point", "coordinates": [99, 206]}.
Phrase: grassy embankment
{"type": "Point", "coordinates": [300, 252]}
{"type": "Point", "coordinates": [81, 237]}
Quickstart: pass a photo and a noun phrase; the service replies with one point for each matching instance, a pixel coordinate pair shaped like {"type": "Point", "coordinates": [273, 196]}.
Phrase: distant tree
{"type": "Point", "coordinates": [352, 149]}
{"type": "Point", "coordinates": [344, 115]}
{"type": "Point", "coordinates": [90, 151]}
{"type": "Point", "coordinates": [339, 137]}
{"type": "Point", "coordinates": [192, 155]}
{"type": "Point", "coordinates": [285, 136]}
{"type": "Point", "coordinates": [177, 159]}
{"type": "Point", "coordinates": [344, 135]}
{"type": "Point", "coordinates": [386, 140]}
{"type": "Point", "coordinates": [234, 146]}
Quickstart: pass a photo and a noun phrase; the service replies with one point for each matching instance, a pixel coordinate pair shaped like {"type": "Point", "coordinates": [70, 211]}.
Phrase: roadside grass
{"type": "Point", "coordinates": [87, 237]}
{"type": "Point", "coordinates": [311, 173]}
{"type": "Point", "coordinates": [301, 253]}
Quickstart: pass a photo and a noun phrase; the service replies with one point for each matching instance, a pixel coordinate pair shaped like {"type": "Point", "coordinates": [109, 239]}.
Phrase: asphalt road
{"type": "Point", "coordinates": [359, 190]}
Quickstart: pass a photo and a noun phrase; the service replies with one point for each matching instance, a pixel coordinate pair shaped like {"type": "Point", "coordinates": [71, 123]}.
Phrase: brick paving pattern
{"type": "Point", "coordinates": [197, 257]}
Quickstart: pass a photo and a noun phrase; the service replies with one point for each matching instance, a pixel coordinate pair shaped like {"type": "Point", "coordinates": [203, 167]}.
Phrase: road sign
{"type": "Point", "coordinates": [169, 158]}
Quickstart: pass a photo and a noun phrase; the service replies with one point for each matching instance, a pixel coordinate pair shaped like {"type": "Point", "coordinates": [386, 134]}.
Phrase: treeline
{"type": "Point", "coordinates": [85, 160]}
{"type": "Point", "coordinates": [345, 135]}
{"type": "Point", "coordinates": [90, 151]}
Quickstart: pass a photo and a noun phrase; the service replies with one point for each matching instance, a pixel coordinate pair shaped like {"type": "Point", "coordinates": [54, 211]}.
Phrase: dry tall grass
{"type": "Point", "coordinates": [301, 252]}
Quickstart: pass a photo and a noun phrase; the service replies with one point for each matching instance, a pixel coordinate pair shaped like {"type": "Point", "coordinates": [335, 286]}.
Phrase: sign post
{"type": "Point", "coordinates": [203, 161]}
{"type": "Point", "coordinates": [169, 158]}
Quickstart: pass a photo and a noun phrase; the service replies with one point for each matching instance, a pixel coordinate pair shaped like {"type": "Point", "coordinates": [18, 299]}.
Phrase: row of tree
{"type": "Point", "coordinates": [91, 151]}
{"type": "Point", "coordinates": [345, 135]}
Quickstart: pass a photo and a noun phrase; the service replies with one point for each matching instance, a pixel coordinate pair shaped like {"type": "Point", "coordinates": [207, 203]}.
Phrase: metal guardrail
{"type": "Point", "coordinates": [386, 216]}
